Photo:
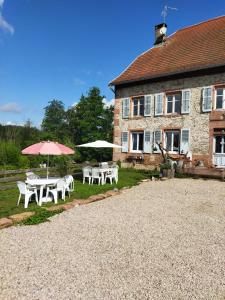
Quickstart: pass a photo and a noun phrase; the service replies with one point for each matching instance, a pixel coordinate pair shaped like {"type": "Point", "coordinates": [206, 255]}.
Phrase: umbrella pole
{"type": "Point", "coordinates": [47, 166]}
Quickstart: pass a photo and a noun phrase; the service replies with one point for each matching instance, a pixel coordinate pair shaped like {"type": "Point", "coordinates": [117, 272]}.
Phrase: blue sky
{"type": "Point", "coordinates": [58, 49]}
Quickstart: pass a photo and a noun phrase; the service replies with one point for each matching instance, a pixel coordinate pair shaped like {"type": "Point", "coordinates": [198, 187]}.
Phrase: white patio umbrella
{"type": "Point", "coordinates": [99, 144]}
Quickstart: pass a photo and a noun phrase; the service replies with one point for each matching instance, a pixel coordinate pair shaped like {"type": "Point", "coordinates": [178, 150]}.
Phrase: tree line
{"type": "Point", "coordinates": [88, 120]}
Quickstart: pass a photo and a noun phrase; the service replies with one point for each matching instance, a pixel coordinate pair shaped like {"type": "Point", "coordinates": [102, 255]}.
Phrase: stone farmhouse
{"type": "Point", "coordinates": [174, 93]}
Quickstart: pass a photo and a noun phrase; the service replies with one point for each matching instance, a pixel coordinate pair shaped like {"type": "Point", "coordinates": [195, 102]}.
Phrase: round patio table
{"type": "Point", "coordinates": [42, 183]}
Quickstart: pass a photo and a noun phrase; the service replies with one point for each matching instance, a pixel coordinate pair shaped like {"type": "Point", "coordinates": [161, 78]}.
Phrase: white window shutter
{"type": "Point", "coordinates": [184, 141]}
{"type": "Point", "coordinates": [157, 136]}
{"type": "Point", "coordinates": [186, 100]}
{"type": "Point", "coordinates": [159, 104]}
{"type": "Point", "coordinates": [147, 141]}
{"type": "Point", "coordinates": [148, 102]}
{"type": "Point", "coordinates": [126, 107]}
{"type": "Point", "coordinates": [207, 99]}
{"type": "Point", "coordinates": [125, 141]}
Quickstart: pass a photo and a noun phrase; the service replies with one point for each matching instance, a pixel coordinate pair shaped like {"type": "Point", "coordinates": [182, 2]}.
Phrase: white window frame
{"type": "Point", "coordinates": [222, 88]}
{"type": "Point", "coordinates": [173, 103]}
{"type": "Point", "coordinates": [131, 141]}
{"type": "Point", "coordinates": [214, 144]}
{"type": "Point", "coordinates": [138, 98]}
{"type": "Point", "coordinates": [156, 105]}
{"type": "Point", "coordinates": [172, 140]}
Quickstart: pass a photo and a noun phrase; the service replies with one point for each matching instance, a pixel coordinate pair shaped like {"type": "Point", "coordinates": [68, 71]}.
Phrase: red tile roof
{"type": "Point", "coordinates": [196, 47]}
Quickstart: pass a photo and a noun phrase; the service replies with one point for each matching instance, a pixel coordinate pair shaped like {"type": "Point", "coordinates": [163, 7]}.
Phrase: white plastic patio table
{"type": "Point", "coordinates": [42, 183]}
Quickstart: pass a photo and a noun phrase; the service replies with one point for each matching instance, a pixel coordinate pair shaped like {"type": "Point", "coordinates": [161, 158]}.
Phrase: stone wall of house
{"type": "Point", "coordinates": [196, 120]}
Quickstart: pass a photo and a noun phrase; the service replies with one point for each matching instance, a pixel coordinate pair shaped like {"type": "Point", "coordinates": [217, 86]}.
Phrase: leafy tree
{"type": "Point", "coordinates": [88, 121]}
{"type": "Point", "coordinates": [54, 121]}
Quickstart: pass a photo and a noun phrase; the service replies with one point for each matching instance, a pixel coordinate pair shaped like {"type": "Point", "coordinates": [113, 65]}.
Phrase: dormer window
{"type": "Point", "coordinates": [174, 103]}
{"type": "Point", "coordinates": [138, 106]}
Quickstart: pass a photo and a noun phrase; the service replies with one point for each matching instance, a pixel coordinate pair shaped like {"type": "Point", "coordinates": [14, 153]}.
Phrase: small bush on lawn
{"type": "Point", "coordinates": [41, 217]}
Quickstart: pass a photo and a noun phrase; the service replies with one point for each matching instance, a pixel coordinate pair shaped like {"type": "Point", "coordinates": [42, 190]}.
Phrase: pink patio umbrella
{"type": "Point", "coordinates": [47, 148]}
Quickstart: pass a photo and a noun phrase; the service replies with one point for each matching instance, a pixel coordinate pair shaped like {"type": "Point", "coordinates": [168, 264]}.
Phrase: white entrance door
{"type": "Point", "coordinates": [219, 151]}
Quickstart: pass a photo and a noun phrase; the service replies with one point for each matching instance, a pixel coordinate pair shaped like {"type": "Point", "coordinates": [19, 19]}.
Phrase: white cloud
{"type": "Point", "coordinates": [78, 81]}
{"type": "Point", "coordinates": [108, 103]}
{"type": "Point", "coordinates": [10, 107]}
{"type": "Point", "coordinates": [5, 26]}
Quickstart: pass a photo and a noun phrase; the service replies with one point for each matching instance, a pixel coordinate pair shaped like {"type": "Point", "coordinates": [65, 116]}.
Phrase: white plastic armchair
{"type": "Point", "coordinates": [59, 188]}
{"type": "Point", "coordinates": [103, 165]}
{"type": "Point", "coordinates": [31, 175]}
{"type": "Point", "coordinates": [87, 174]}
{"type": "Point", "coordinates": [112, 174]}
{"type": "Point", "coordinates": [96, 175]}
{"type": "Point", "coordinates": [27, 192]}
{"type": "Point", "coordinates": [69, 184]}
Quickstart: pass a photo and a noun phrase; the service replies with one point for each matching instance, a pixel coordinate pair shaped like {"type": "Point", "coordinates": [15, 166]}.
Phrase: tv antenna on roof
{"type": "Point", "coordinates": [165, 11]}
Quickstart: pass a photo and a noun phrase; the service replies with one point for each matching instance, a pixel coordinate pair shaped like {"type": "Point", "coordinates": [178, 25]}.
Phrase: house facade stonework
{"type": "Point", "coordinates": [201, 124]}
{"type": "Point", "coordinates": [184, 110]}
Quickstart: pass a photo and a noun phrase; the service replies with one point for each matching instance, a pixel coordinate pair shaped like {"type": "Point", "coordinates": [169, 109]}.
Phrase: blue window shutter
{"type": "Point", "coordinates": [186, 101]}
{"type": "Point", "coordinates": [125, 141]}
{"type": "Point", "coordinates": [207, 99]}
{"type": "Point", "coordinates": [185, 141]}
{"type": "Point", "coordinates": [159, 104]}
{"type": "Point", "coordinates": [148, 102]}
{"type": "Point", "coordinates": [147, 141]}
{"type": "Point", "coordinates": [125, 108]}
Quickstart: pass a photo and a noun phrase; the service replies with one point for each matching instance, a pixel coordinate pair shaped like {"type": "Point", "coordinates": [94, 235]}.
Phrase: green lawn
{"type": "Point", "coordinates": [127, 178]}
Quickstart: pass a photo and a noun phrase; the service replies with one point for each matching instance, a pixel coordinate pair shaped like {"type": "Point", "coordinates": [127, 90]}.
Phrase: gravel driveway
{"type": "Point", "coordinates": [159, 240]}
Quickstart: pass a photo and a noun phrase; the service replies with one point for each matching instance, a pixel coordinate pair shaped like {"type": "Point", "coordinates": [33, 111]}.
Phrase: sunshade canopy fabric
{"type": "Point", "coordinates": [47, 148]}
{"type": "Point", "coordinates": [100, 144]}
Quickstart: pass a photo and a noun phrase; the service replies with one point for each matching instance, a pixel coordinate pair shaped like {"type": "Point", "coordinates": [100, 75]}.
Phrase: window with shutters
{"type": "Point", "coordinates": [220, 98]}
{"type": "Point", "coordinates": [138, 106]}
{"type": "Point", "coordinates": [173, 103]}
{"type": "Point", "coordinates": [137, 141]}
{"type": "Point", "coordinates": [172, 140]}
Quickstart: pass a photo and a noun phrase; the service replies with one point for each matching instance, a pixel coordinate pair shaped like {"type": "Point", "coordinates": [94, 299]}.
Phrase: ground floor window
{"type": "Point", "coordinates": [220, 144]}
{"type": "Point", "coordinates": [137, 141]}
{"type": "Point", "coordinates": [172, 140]}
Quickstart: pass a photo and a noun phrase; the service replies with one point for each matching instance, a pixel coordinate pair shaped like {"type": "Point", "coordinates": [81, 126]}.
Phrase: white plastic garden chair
{"type": "Point", "coordinates": [86, 174]}
{"type": "Point", "coordinates": [27, 191]}
{"type": "Point", "coordinates": [59, 188]}
{"type": "Point", "coordinates": [103, 165]}
{"type": "Point", "coordinates": [31, 175]}
{"type": "Point", "coordinates": [112, 175]}
{"type": "Point", "coordinates": [96, 175]}
{"type": "Point", "coordinates": [69, 184]}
